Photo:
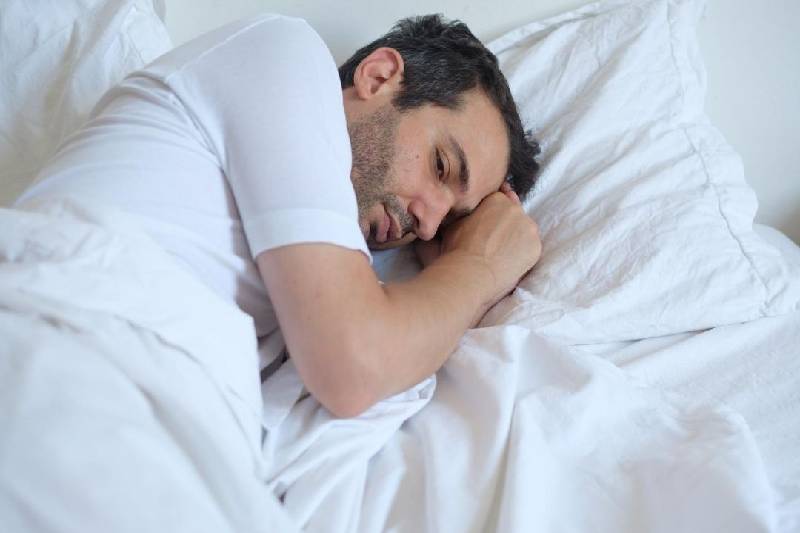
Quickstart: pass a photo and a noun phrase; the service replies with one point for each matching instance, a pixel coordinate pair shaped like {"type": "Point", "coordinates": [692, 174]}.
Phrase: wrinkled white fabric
{"type": "Point", "coordinates": [645, 214]}
{"type": "Point", "coordinates": [525, 435]}
{"type": "Point", "coordinates": [130, 402]}
{"type": "Point", "coordinates": [56, 60]}
{"type": "Point", "coordinates": [753, 368]}
{"type": "Point", "coordinates": [129, 393]}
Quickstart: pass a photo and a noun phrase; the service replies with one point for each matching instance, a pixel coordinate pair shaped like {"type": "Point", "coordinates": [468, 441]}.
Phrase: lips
{"type": "Point", "coordinates": [394, 228]}
{"type": "Point", "coordinates": [386, 229]}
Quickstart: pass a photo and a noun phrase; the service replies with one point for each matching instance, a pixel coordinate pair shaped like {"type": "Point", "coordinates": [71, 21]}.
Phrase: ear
{"type": "Point", "coordinates": [378, 73]}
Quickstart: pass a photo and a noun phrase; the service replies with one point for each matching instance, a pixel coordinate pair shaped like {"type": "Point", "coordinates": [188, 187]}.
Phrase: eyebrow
{"type": "Point", "coordinates": [463, 174]}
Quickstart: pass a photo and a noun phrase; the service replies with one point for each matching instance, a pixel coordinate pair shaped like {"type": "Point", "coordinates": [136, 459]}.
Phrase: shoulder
{"type": "Point", "coordinates": [289, 33]}
{"type": "Point", "coordinates": [263, 38]}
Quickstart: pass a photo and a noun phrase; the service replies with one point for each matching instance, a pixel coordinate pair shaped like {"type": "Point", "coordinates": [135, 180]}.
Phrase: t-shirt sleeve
{"type": "Point", "coordinates": [265, 93]}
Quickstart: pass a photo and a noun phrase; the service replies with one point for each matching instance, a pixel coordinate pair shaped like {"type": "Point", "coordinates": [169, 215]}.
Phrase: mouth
{"type": "Point", "coordinates": [394, 232]}
{"type": "Point", "coordinates": [386, 229]}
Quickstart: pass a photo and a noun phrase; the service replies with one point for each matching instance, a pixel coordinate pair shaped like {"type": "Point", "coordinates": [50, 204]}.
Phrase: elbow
{"type": "Point", "coordinates": [347, 386]}
{"type": "Point", "coordinates": [344, 399]}
{"type": "Point", "coordinates": [347, 405]}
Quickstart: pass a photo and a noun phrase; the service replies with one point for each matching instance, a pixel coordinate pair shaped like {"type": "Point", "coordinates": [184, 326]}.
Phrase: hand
{"type": "Point", "coordinates": [500, 236]}
{"type": "Point", "coordinates": [428, 251]}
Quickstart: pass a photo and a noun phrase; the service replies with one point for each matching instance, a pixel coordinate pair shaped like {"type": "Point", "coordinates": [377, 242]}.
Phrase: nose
{"type": "Point", "coordinates": [429, 210]}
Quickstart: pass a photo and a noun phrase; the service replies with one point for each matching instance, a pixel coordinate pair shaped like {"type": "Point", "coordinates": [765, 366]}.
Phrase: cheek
{"type": "Point", "coordinates": [409, 169]}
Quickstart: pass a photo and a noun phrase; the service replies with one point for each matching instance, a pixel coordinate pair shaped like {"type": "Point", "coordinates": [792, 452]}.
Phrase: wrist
{"type": "Point", "coordinates": [472, 272]}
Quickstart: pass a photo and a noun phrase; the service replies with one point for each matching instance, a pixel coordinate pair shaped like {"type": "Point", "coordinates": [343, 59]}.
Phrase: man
{"type": "Point", "coordinates": [267, 176]}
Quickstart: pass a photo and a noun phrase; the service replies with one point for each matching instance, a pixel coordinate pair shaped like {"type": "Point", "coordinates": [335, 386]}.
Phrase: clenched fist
{"type": "Point", "coordinates": [498, 235]}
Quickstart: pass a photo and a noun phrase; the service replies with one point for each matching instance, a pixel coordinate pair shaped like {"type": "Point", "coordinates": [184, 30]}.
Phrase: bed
{"type": "Point", "coordinates": [644, 376]}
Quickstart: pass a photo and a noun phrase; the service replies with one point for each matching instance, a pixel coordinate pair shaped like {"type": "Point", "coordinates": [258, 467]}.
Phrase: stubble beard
{"type": "Point", "coordinates": [372, 141]}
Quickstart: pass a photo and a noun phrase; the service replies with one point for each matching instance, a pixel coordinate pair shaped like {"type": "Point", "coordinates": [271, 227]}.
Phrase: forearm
{"type": "Point", "coordinates": [355, 342]}
{"type": "Point", "coordinates": [426, 316]}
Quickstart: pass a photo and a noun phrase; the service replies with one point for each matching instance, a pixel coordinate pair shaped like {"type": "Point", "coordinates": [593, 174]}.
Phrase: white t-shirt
{"type": "Point", "coordinates": [227, 146]}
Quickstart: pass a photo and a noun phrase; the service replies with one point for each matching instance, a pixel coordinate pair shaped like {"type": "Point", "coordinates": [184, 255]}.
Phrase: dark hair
{"type": "Point", "coordinates": [443, 59]}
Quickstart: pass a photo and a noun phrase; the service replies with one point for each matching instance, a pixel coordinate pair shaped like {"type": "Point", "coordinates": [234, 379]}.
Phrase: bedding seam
{"type": "Point", "coordinates": [709, 181]}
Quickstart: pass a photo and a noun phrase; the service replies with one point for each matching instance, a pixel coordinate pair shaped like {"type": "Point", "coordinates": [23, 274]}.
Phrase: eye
{"type": "Point", "coordinates": [439, 165]}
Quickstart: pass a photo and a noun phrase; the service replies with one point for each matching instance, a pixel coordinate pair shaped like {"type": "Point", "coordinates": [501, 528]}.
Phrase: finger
{"type": "Point", "coordinates": [506, 189]}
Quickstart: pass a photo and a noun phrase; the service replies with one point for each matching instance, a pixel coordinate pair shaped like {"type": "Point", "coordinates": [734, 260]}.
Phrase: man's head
{"type": "Point", "coordinates": [433, 129]}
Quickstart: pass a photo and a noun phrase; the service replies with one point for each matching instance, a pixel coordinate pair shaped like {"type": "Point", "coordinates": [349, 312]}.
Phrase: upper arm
{"type": "Point", "coordinates": [265, 95]}
{"type": "Point", "coordinates": [328, 302]}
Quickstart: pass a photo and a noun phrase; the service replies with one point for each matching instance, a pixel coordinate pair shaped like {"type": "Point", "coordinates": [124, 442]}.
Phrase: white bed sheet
{"type": "Point", "coordinates": [128, 390]}
{"type": "Point", "coordinates": [122, 394]}
{"type": "Point", "coordinates": [690, 432]}
{"type": "Point", "coordinates": [752, 368]}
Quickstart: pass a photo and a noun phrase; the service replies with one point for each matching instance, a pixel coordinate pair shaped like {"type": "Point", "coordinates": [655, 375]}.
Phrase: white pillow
{"type": "Point", "coordinates": [645, 216]}
{"type": "Point", "coordinates": [56, 60]}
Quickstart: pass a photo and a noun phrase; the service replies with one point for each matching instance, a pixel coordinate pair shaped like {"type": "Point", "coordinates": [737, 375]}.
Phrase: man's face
{"type": "Point", "coordinates": [413, 171]}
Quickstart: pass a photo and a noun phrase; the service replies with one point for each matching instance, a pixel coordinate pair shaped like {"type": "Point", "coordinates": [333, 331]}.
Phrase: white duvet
{"type": "Point", "coordinates": [522, 435]}
{"type": "Point", "coordinates": [128, 391]}
{"type": "Point", "coordinates": [130, 403]}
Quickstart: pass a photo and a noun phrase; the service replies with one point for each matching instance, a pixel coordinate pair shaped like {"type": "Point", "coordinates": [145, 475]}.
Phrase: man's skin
{"type": "Point", "coordinates": [355, 341]}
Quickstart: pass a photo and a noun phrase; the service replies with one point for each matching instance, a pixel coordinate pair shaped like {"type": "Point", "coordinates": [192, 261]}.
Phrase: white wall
{"type": "Point", "coordinates": [752, 54]}
{"type": "Point", "coordinates": [751, 49]}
